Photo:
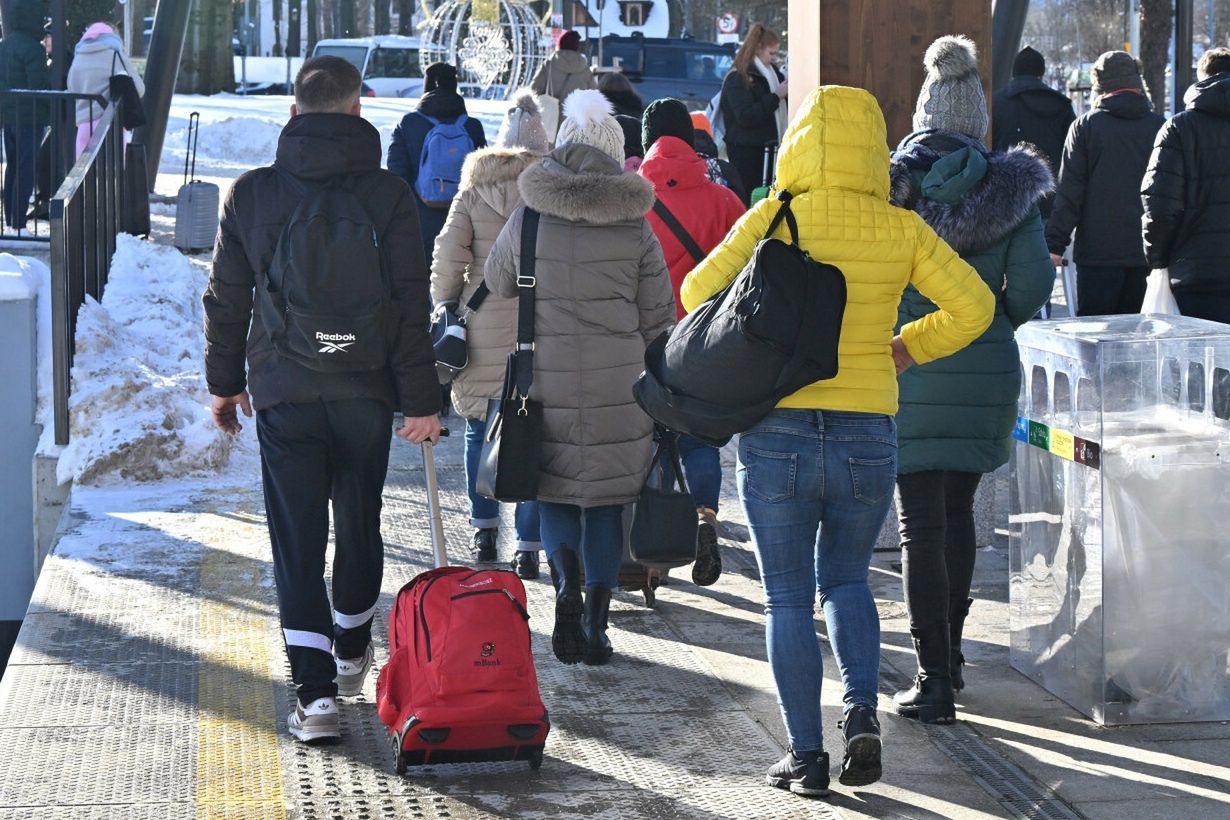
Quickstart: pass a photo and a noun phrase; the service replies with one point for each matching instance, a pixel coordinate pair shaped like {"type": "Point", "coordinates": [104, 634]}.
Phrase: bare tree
{"type": "Point", "coordinates": [313, 24]}
{"type": "Point", "coordinates": [294, 45]}
{"type": "Point", "coordinates": [277, 28]}
{"type": "Point", "coordinates": [405, 17]}
{"type": "Point", "coordinates": [380, 24]}
{"type": "Point", "coordinates": [208, 65]}
{"type": "Point", "coordinates": [1156, 26]}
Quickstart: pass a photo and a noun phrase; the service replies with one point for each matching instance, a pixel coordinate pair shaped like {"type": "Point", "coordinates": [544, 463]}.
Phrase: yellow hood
{"type": "Point", "coordinates": [845, 127]}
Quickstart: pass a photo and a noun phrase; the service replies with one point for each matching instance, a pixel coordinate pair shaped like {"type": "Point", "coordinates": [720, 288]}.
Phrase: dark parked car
{"type": "Point", "coordinates": [683, 68]}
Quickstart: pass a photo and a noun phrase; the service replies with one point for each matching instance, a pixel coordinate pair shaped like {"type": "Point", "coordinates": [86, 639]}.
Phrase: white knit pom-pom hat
{"type": "Point", "coordinates": [589, 120]}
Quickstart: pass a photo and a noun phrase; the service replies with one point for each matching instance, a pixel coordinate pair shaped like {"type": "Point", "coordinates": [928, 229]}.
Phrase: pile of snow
{"type": "Point", "coordinates": [23, 278]}
{"type": "Point", "coordinates": [139, 409]}
{"type": "Point", "coordinates": [244, 141]}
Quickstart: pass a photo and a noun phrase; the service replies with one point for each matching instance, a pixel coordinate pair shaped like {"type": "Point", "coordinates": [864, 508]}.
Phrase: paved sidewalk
{"type": "Point", "coordinates": [149, 681]}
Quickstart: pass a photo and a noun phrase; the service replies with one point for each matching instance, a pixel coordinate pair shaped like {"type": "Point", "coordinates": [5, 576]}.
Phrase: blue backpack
{"type": "Point", "coordinates": [444, 150]}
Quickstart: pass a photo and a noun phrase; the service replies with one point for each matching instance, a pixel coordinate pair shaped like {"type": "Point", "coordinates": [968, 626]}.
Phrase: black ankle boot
{"type": "Point", "coordinates": [957, 613]}
{"type": "Point", "coordinates": [484, 545]}
{"type": "Point", "coordinates": [597, 609]}
{"type": "Point", "coordinates": [930, 699]}
{"type": "Point", "coordinates": [568, 640]}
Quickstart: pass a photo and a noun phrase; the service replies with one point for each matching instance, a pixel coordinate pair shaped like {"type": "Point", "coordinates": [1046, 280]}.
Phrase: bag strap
{"type": "Point", "coordinates": [785, 213]}
{"type": "Point", "coordinates": [676, 227]}
{"type": "Point", "coordinates": [668, 452]}
{"type": "Point", "coordinates": [527, 282]}
{"type": "Point", "coordinates": [479, 296]}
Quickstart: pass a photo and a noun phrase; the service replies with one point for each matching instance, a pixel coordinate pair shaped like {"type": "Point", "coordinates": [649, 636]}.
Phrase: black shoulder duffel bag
{"type": "Point", "coordinates": [773, 330]}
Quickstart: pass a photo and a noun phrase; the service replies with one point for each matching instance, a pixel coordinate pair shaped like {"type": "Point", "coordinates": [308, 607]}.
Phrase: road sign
{"type": "Point", "coordinates": [728, 22]}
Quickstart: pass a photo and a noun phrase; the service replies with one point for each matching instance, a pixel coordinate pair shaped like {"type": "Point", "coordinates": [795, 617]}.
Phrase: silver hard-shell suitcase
{"type": "Point", "coordinates": [196, 208]}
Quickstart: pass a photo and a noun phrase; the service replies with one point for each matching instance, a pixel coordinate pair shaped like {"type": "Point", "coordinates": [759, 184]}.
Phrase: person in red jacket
{"type": "Point", "coordinates": [690, 217]}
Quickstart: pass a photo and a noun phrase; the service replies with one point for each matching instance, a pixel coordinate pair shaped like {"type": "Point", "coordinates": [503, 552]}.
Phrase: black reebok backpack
{"type": "Point", "coordinates": [326, 299]}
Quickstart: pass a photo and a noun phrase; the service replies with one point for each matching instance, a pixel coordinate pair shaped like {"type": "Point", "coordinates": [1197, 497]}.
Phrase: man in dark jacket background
{"type": "Point", "coordinates": [1103, 163]}
{"type": "Point", "coordinates": [441, 102]}
{"type": "Point", "coordinates": [1186, 193]}
{"type": "Point", "coordinates": [323, 436]}
{"type": "Point", "coordinates": [23, 64]}
{"type": "Point", "coordinates": [1029, 110]}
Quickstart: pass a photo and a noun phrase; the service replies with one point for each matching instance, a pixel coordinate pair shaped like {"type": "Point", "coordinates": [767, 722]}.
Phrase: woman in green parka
{"type": "Point", "coordinates": [957, 413]}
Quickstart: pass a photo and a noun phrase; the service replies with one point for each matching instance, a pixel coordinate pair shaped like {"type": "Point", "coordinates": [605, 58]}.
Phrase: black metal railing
{"type": "Point", "coordinates": [39, 147]}
{"type": "Point", "coordinates": [87, 212]}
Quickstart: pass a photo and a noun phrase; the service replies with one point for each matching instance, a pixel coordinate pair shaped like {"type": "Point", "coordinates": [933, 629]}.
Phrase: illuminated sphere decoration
{"type": "Point", "coordinates": [496, 45]}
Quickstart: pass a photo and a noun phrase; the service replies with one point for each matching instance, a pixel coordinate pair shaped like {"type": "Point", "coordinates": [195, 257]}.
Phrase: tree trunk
{"type": "Point", "coordinates": [1156, 24]}
{"type": "Point", "coordinates": [381, 22]}
{"type": "Point", "coordinates": [277, 28]}
{"type": "Point", "coordinates": [405, 17]}
{"type": "Point", "coordinates": [313, 25]}
{"type": "Point", "coordinates": [208, 66]}
{"type": "Point", "coordinates": [346, 23]}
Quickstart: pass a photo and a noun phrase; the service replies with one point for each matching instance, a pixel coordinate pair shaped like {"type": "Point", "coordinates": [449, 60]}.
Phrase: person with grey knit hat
{"type": "Point", "coordinates": [1027, 110]}
{"type": "Point", "coordinates": [1098, 193]}
{"type": "Point", "coordinates": [956, 414]}
{"type": "Point", "coordinates": [602, 295]}
{"type": "Point", "coordinates": [486, 197]}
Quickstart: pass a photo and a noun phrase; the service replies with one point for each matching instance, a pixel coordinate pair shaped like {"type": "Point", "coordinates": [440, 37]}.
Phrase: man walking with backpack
{"type": "Point", "coordinates": [429, 147]}
{"type": "Point", "coordinates": [321, 254]}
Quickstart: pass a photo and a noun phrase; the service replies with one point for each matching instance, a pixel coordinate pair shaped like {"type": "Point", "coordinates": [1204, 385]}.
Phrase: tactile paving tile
{"type": "Point", "coordinates": [104, 637]}
{"type": "Point", "coordinates": [144, 811]}
{"type": "Point", "coordinates": [629, 685]}
{"type": "Point", "coordinates": [747, 803]}
{"type": "Point", "coordinates": [67, 586]}
{"type": "Point", "coordinates": [103, 695]}
{"type": "Point", "coordinates": [98, 765]}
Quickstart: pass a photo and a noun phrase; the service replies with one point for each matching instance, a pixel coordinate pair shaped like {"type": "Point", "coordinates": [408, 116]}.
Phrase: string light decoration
{"type": "Point", "coordinates": [496, 45]}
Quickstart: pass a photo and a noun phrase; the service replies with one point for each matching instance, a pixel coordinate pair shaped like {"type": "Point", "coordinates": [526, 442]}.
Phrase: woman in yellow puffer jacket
{"type": "Point", "coordinates": [816, 475]}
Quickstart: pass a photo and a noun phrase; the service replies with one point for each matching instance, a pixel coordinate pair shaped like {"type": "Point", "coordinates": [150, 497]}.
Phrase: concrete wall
{"type": "Point", "coordinates": [879, 45]}
{"type": "Point", "coordinates": [18, 374]}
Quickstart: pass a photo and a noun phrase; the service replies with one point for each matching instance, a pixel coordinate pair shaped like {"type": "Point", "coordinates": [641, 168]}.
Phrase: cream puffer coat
{"type": "Point", "coordinates": [603, 294]}
{"type": "Point", "coordinates": [486, 197]}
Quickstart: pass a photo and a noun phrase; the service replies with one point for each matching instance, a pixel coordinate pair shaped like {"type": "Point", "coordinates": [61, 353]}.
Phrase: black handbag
{"type": "Point", "coordinates": [448, 335]}
{"type": "Point", "coordinates": [773, 330]}
{"type": "Point", "coordinates": [512, 444]}
{"type": "Point", "coordinates": [123, 88]}
{"type": "Point", "coordinates": [664, 524]}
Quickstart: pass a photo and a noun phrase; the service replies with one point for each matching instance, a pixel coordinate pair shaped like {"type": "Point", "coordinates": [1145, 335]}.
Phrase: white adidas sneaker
{"type": "Point", "coordinates": [352, 673]}
{"type": "Point", "coordinates": [316, 722]}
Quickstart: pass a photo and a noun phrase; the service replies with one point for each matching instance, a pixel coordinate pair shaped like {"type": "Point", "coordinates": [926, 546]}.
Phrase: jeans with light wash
{"type": "Point", "coordinates": [595, 534]}
{"type": "Point", "coordinates": [816, 487]}
{"type": "Point", "coordinates": [702, 467]}
{"type": "Point", "coordinates": [485, 512]}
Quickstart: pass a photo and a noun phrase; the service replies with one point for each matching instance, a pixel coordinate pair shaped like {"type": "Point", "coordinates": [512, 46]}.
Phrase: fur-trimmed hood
{"type": "Point", "coordinates": [492, 174]}
{"type": "Point", "coordinates": [973, 199]}
{"type": "Point", "coordinates": [579, 183]}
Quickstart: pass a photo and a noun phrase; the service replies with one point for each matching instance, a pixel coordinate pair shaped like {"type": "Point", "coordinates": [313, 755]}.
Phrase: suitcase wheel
{"type": "Point", "coordinates": [535, 759]}
{"type": "Point", "coordinates": [651, 596]}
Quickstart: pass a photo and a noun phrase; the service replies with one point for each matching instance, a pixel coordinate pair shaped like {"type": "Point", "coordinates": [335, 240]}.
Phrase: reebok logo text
{"type": "Point", "coordinates": [334, 342]}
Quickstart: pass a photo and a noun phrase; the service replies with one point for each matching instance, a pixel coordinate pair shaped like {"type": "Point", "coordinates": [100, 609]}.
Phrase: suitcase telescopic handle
{"type": "Point", "coordinates": [194, 128]}
{"type": "Point", "coordinates": [438, 552]}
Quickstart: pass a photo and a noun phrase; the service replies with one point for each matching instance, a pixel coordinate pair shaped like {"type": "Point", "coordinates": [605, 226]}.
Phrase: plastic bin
{"type": "Point", "coordinates": [1119, 544]}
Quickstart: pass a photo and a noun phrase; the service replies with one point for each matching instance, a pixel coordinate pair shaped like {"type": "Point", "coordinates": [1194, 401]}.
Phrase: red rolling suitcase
{"type": "Point", "coordinates": [460, 684]}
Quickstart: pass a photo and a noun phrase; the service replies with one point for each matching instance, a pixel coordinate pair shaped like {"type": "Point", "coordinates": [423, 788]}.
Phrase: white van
{"type": "Point", "coordinates": [389, 64]}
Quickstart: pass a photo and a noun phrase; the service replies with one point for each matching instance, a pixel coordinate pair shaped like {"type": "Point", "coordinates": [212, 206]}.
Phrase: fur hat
{"type": "Point", "coordinates": [666, 118]}
{"type": "Point", "coordinates": [522, 126]}
{"type": "Point", "coordinates": [588, 120]}
{"type": "Point", "coordinates": [1114, 71]}
{"type": "Point", "coordinates": [1028, 63]}
{"type": "Point", "coordinates": [951, 98]}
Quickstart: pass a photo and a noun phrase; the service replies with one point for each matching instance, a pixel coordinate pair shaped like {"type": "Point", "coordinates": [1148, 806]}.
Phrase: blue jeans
{"type": "Point", "coordinates": [816, 486]}
{"type": "Point", "coordinates": [702, 467]}
{"type": "Point", "coordinates": [599, 543]}
{"type": "Point", "coordinates": [485, 512]}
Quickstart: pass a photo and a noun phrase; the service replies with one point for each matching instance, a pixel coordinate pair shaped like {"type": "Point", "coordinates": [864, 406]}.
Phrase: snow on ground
{"type": "Point", "coordinates": [139, 404]}
{"type": "Point", "coordinates": [21, 277]}
{"type": "Point", "coordinates": [239, 132]}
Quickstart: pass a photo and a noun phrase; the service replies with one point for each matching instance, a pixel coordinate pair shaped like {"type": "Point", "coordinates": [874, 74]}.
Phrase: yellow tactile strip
{"type": "Point", "coordinates": [239, 774]}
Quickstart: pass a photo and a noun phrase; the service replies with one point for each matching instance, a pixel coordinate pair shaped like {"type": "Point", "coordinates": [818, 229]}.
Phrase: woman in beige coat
{"type": "Point", "coordinates": [487, 196]}
{"type": "Point", "coordinates": [602, 294]}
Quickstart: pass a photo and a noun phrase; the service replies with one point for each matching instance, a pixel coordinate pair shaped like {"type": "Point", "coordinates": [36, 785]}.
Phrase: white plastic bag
{"type": "Point", "coordinates": [1158, 298]}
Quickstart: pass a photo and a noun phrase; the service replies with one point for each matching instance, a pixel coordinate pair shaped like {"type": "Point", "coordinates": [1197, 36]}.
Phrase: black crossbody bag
{"type": "Point", "coordinates": [512, 444]}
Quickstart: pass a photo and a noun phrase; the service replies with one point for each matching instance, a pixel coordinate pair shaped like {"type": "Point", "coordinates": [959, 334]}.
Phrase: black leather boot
{"type": "Point", "coordinates": [957, 613]}
{"type": "Point", "coordinates": [930, 699]}
{"type": "Point", "coordinates": [597, 609]}
{"type": "Point", "coordinates": [568, 639]}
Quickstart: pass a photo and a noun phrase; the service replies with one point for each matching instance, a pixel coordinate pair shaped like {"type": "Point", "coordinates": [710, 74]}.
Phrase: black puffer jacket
{"type": "Point", "coordinates": [316, 147]}
{"type": "Point", "coordinates": [749, 111]}
{"type": "Point", "coordinates": [1186, 191]}
{"type": "Point", "coordinates": [1029, 110]}
{"type": "Point", "coordinates": [1104, 161]}
{"type": "Point", "coordinates": [23, 63]}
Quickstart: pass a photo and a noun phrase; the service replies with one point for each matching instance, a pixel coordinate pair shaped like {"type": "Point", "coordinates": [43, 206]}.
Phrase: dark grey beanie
{"type": "Point", "coordinates": [1115, 70]}
{"type": "Point", "coordinates": [951, 98]}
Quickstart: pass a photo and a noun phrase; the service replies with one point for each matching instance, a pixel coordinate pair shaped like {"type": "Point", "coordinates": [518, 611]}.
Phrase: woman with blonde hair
{"type": "Point", "coordinates": [754, 104]}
